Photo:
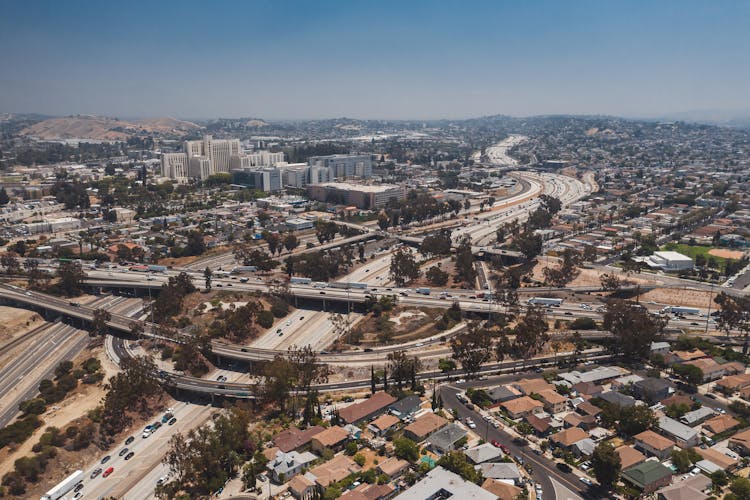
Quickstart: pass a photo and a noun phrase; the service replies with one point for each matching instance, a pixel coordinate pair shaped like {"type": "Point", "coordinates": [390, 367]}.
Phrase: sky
{"type": "Point", "coordinates": [383, 59]}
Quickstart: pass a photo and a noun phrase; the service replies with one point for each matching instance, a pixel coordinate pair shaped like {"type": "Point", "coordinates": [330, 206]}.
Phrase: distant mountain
{"type": "Point", "coordinates": [739, 118]}
{"type": "Point", "coordinates": [105, 129]}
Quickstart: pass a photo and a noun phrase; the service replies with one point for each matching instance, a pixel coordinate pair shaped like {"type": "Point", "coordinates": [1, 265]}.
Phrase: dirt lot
{"type": "Point", "coordinates": [16, 322]}
{"type": "Point", "coordinates": [726, 254]}
{"type": "Point", "coordinates": [587, 277]}
{"type": "Point", "coordinates": [676, 297]}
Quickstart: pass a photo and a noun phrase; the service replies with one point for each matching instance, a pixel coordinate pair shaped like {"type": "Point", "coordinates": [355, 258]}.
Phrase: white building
{"type": "Point", "coordinates": [669, 261]}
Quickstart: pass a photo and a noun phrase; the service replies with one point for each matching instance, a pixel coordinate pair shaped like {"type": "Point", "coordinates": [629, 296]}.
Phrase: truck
{"type": "Point", "coordinates": [157, 269]}
{"type": "Point", "coordinates": [64, 486]}
{"type": "Point", "coordinates": [244, 269]}
{"type": "Point", "coordinates": [423, 291]}
{"type": "Point", "coordinates": [298, 280]}
{"type": "Point", "coordinates": [545, 301]}
{"type": "Point", "coordinates": [347, 285]}
{"type": "Point", "coordinates": [139, 269]}
{"type": "Point", "coordinates": [678, 311]}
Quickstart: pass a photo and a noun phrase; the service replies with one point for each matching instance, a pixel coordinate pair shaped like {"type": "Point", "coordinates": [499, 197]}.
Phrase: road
{"type": "Point", "coordinates": [543, 469]}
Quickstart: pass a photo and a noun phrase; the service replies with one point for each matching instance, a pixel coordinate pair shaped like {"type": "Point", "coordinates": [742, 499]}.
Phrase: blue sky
{"type": "Point", "coordinates": [374, 59]}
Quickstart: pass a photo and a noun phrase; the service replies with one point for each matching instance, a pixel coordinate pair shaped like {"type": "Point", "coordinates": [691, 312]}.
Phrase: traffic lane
{"type": "Point", "coordinates": [543, 469]}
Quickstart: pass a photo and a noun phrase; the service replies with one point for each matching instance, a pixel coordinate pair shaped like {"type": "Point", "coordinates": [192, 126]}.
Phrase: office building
{"type": "Point", "coordinates": [344, 166]}
{"type": "Point", "coordinates": [262, 179]}
{"type": "Point", "coordinates": [361, 196]}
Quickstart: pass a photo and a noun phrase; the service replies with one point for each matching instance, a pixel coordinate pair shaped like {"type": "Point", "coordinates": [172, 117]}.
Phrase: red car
{"type": "Point", "coordinates": [108, 472]}
{"type": "Point", "coordinates": [496, 444]}
{"type": "Point", "coordinates": [505, 449]}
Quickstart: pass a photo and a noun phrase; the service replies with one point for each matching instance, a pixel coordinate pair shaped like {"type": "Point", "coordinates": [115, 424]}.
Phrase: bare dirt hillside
{"type": "Point", "coordinates": [104, 129]}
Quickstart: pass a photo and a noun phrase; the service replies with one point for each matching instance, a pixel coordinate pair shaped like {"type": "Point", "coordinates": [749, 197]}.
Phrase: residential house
{"type": "Point", "coordinates": [501, 490]}
{"type": "Point", "coordinates": [334, 437]}
{"type": "Point", "coordinates": [585, 422]}
{"type": "Point", "coordinates": [393, 467]}
{"type": "Point", "coordinates": [384, 423]}
{"type": "Point", "coordinates": [502, 471]}
{"type": "Point", "coordinates": [740, 442]}
{"type": "Point", "coordinates": [647, 476]}
{"type": "Point", "coordinates": [651, 389]}
{"type": "Point", "coordinates": [485, 452]}
{"type": "Point", "coordinates": [302, 488]}
{"type": "Point", "coordinates": [293, 438]}
{"type": "Point", "coordinates": [677, 400]}
{"type": "Point", "coordinates": [710, 368]}
{"type": "Point", "coordinates": [553, 402]}
{"type": "Point", "coordinates": [691, 488]}
{"type": "Point", "coordinates": [695, 417]}
{"type": "Point", "coordinates": [586, 408]}
{"type": "Point", "coordinates": [520, 407]}
{"type": "Point", "coordinates": [425, 425]}
{"type": "Point", "coordinates": [367, 409]}
{"type": "Point", "coordinates": [442, 483]}
{"type": "Point", "coordinates": [683, 356]}
{"type": "Point", "coordinates": [733, 383]}
{"type": "Point", "coordinates": [287, 465]}
{"type": "Point", "coordinates": [369, 492]}
{"type": "Point", "coordinates": [529, 386]}
{"type": "Point", "coordinates": [721, 460]}
{"type": "Point", "coordinates": [654, 444]}
{"type": "Point", "coordinates": [406, 408]}
{"type": "Point", "coordinates": [587, 389]}
{"type": "Point", "coordinates": [625, 382]}
{"type": "Point", "coordinates": [629, 456]}
{"type": "Point", "coordinates": [659, 348]}
{"type": "Point", "coordinates": [446, 438]}
{"type": "Point", "coordinates": [584, 447]}
{"type": "Point", "coordinates": [567, 438]}
{"type": "Point", "coordinates": [684, 435]}
{"type": "Point", "coordinates": [503, 393]}
{"type": "Point", "coordinates": [720, 423]}
{"type": "Point", "coordinates": [600, 374]}
{"type": "Point", "coordinates": [541, 426]}
{"type": "Point", "coordinates": [334, 470]}
{"type": "Point", "coordinates": [617, 398]}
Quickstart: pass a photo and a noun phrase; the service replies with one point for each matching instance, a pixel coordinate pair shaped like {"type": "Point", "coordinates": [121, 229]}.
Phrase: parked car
{"type": "Point", "coordinates": [563, 467]}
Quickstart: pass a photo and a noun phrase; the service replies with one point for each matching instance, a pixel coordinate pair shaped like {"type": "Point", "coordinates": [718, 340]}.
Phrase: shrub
{"type": "Point", "coordinates": [359, 459]}
{"type": "Point", "coordinates": [265, 319]}
{"type": "Point", "coordinates": [279, 308]}
{"type": "Point", "coordinates": [34, 406]}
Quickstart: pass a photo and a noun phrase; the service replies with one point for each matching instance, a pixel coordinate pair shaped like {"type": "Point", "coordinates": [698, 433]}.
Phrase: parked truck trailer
{"type": "Point", "coordinates": [64, 486]}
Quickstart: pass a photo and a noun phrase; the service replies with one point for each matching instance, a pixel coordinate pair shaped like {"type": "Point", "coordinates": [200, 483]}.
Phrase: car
{"type": "Point", "coordinates": [105, 459]}
{"type": "Point", "coordinates": [368, 349]}
{"type": "Point", "coordinates": [95, 472]}
{"type": "Point", "coordinates": [162, 480]}
{"type": "Point", "coordinates": [711, 395]}
{"type": "Point", "coordinates": [495, 443]}
{"type": "Point", "coordinates": [78, 487]}
{"type": "Point", "coordinates": [301, 318]}
{"type": "Point", "coordinates": [289, 323]}
{"type": "Point", "coordinates": [172, 421]}
{"type": "Point", "coordinates": [585, 481]}
{"type": "Point", "coordinates": [281, 334]}
{"type": "Point", "coordinates": [219, 285]}
{"type": "Point", "coordinates": [122, 452]}
{"type": "Point", "coordinates": [539, 369]}
{"type": "Point", "coordinates": [108, 472]}
{"type": "Point", "coordinates": [220, 378]}
{"type": "Point", "coordinates": [278, 330]}
{"type": "Point", "coordinates": [322, 293]}
{"type": "Point", "coordinates": [563, 467]}
{"type": "Point", "coordinates": [129, 455]}
{"type": "Point", "coordinates": [155, 426]}
{"type": "Point", "coordinates": [78, 495]}
{"type": "Point", "coordinates": [262, 478]}
{"type": "Point", "coordinates": [568, 313]}
{"type": "Point", "coordinates": [146, 434]}
{"type": "Point", "coordinates": [538, 487]}
{"type": "Point", "coordinates": [518, 459]}
{"type": "Point", "coordinates": [129, 440]}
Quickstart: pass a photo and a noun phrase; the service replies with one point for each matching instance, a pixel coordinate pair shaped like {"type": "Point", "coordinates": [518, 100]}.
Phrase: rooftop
{"type": "Point", "coordinates": [440, 481]}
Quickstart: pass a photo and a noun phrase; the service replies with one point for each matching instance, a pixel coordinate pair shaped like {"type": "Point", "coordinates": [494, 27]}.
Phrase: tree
{"type": "Point", "coordinates": [636, 419]}
{"type": "Point", "coordinates": [531, 332]}
{"type": "Point", "coordinates": [342, 326]}
{"type": "Point", "coordinates": [472, 348]}
{"type": "Point", "coordinates": [250, 256]}
{"type": "Point", "coordinates": [610, 282]}
{"type": "Point", "coordinates": [290, 242]}
{"type": "Point", "coordinates": [279, 378]}
{"type": "Point", "coordinates": [436, 244]}
{"type": "Point", "coordinates": [99, 327]}
{"type": "Point", "coordinates": [10, 262]}
{"type": "Point", "coordinates": [633, 327]}
{"type": "Point", "coordinates": [528, 243]}
{"type": "Point", "coordinates": [437, 276]}
{"type": "Point", "coordinates": [4, 198]}
{"type": "Point", "coordinates": [406, 449]}
{"type": "Point", "coordinates": [402, 366]}
{"type": "Point", "coordinates": [325, 231]}
{"type": "Point", "coordinates": [456, 462]}
{"type": "Point", "coordinates": [741, 488]}
{"type": "Point", "coordinates": [550, 203]}
{"type": "Point", "coordinates": [691, 374]}
{"type": "Point", "coordinates": [308, 368]}
{"type": "Point", "coordinates": [383, 221]}
{"type": "Point", "coordinates": [273, 240]}
{"type": "Point", "coordinates": [589, 253]}
{"type": "Point", "coordinates": [446, 365]}
{"type": "Point", "coordinates": [606, 464]}
{"type": "Point", "coordinates": [734, 315]}
{"type": "Point", "coordinates": [71, 278]}
{"type": "Point", "coordinates": [207, 275]}
{"type": "Point", "coordinates": [684, 459]}
{"type": "Point", "coordinates": [195, 244]}
{"type": "Point", "coordinates": [465, 271]}
{"type": "Point", "coordinates": [404, 267]}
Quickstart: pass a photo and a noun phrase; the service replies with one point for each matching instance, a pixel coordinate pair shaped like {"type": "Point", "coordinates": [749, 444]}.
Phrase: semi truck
{"type": "Point", "coordinates": [423, 291]}
{"type": "Point", "coordinates": [545, 301]}
{"type": "Point", "coordinates": [677, 310]}
{"type": "Point", "coordinates": [244, 269]}
{"type": "Point", "coordinates": [297, 280]}
{"type": "Point", "coordinates": [64, 486]}
{"type": "Point", "coordinates": [157, 269]}
{"type": "Point", "coordinates": [347, 284]}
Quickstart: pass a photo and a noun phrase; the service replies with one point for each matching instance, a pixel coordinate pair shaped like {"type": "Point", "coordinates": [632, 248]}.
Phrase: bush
{"type": "Point", "coordinates": [351, 448]}
{"type": "Point", "coordinates": [279, 308]}
{"type": "Point", "coordinates": [19, 431]}
{"type": "Point", "coordinates": [34, 406]}
{"type": "Point", "coordinates": [359, 459]}
{"type": "Point", "coordinates": [265, 319]}
{"type": "Point", "coordinates": [166, 352]}
{"type": "Point", "coordinates": [63, 368]}
{"type": "Point", "coordinates": [91, 365]}
{"type": "Point", "coordinates": [583, 324]}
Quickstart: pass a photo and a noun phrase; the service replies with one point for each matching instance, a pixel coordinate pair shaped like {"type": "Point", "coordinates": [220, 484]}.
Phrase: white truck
{"type": "Point", "coordinates": [64, 486]}
{"type": "Point", "coordinates": [545, 301]}
{"type": "Point", "coordinates": [679, 311]}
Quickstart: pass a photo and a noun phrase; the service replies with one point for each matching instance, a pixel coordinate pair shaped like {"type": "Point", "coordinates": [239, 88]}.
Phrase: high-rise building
{"type": "Point", "coordinates": [263, 179]}
{"type": "Point", "coordinates": [344, 166]}
{"type": "Point", "coordinates": [174, 165]}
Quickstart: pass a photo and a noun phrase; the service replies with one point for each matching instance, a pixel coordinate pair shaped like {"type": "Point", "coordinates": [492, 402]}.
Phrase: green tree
{"type": "Point", "coordinates": [465, 271]}
{"type": "Point", "coordinates": [528, 243]}
{"type": "Point", "coordinates": [636, 419]}
{"type": "Point", "coordinates": [437, 276]}
{"type": "Point", "coordinates": [290, 242]}
{"type": "Point", "coordinates": [691, 374]}
{"type": "Point", "coordinates": [71, 278]}
{"type": "Point", "coordinates": [741, 488]}
{"type": "Point", "coordinates": [606, 464]}
{"type": "Point", "coordinates": [633, 327]}
{"type": "Point", "coordinates": [207, 275]}
{"type": "Point", "coordinates": [406, 449]}
{"type": "Point", "coordinates": [456, 462]}
{"type": "Point", "coordinates": [4, 198]}
{"type": "Point", "coordinates": [99, 327]}
{"type": "Point", "coordinates": [472, 348]}
{"type": "Point", "coordinates": [404, 267]}
{"type": "Point", "coordinates": [531, 332]}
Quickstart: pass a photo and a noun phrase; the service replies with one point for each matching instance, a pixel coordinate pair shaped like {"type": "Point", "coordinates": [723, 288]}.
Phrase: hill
{"type": "Point", "coordinates": [105, 129]}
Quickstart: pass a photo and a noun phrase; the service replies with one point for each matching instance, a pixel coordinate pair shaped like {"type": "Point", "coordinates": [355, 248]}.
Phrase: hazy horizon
{"type": "Point", "coordinates": [386, 60]}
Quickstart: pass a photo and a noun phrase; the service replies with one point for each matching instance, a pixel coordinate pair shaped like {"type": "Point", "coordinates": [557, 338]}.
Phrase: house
{"type": "Point", "coordinates": [691, 488]}
{"type": "Point", "coordinates": [651, 389]}
{"type": "Point", "coordinates": [425, 425]}
{"type": "Point", "coordinates": [567, 438]}
{"type": "Point", "coordinates": [442, 483]}
{"type": "Point", "coordinates": [293, 438]}
{"type": "Point", "coordinates": [334, 437]}
{"type": "Point", "coordinates": [720, 423]}
{"type": "Point", "coordinates": [683, 356]}
{"type": "Point", "coordinates": [721, 460]}
{"type": "Point", "coordinates": [406, 408]}
{"type": "Point", "coordinates": [446, 438]}
{"type": "Point", "coordinates": [393, 467]}
{"type": "Point", "coordinates": [740, 442]}
{"type": "Point", "coordinates": [599, 374]}
{"type": "Point", "coordinates": [695, 417]}
{"type": "Point", "coordinates": [625, 382]}
{"type": "Point", "coordinates": [334, 470]}
{"type": "Point", "coordinates": [541, 426]}
{"type": "Point", "coordinates": [733, 383]}
{"type": "Point", "coordinates": [587, 389]}
{"type": "Point", "coordinates": [553, 402]}
{"type": "Point", "coordinates": [677, 400]}
{"type": "Point", "coordinates": [617, 398]}
{"type": "Point", "coordinates": [301, 487]}
{"type": "Point", "coordinates": [520, 407]}
{"type": "Point", "coordinates": [659, 348]}
{"type": "Point", "coordinates": [503, 393]}
{"type": "Point", "coordinates": [584, 447]}
{"type": "Point", "coordinates": [287, 465]}
{"type": "Point", "coordinates": [483, 453]}
{"type": "Point", "coordinates": [529, 386]}
{"type": "Point", "coordinates": [629, 456]}
{"type": "Point", "coordinates": [586, 408]}
{"type": "Point", "coordinates": [585, 422]}
{"type": "Point", "coordinates": [710, 368]}
{"type": "Point", "coordinates": [381, 425]}
{"type": "Point", "coordinates": [502, 471]}
{"type": "Point", "coordinates": [654, 444]}
{"type": "Point", "coordinates": [369, 492]}
{"type": "Point", "coordinates": [648, 476]}
{"type": "Point", "coordinates": [685, 436]}
{"type": "Point", "coordinates": [367, 409]}
{"type": "Point", "coordinates": [501, 490]}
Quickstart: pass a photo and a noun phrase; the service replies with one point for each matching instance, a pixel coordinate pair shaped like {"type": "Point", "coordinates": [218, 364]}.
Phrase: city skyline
{"type": "Point", "coordinates": [294, 60]}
